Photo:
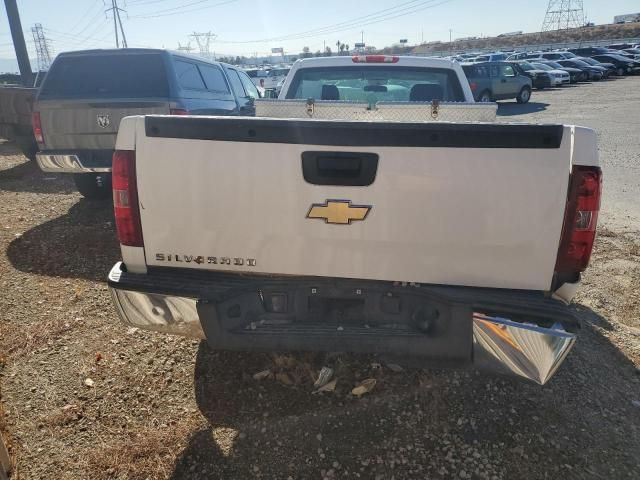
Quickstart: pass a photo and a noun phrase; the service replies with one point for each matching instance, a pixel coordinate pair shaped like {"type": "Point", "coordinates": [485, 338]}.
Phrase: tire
{"type": "Point", "coordinates": [620, 71]}
{"type": "Point", "coordinates": [524, 96]}
{"type": "Point", "coordinates": [93, 186]}
{"type": "Point", "coordinates": [485, 96]}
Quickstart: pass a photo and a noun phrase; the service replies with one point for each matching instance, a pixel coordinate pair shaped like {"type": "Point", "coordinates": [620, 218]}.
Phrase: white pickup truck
{"type": "Point", "coordinates": [368, 221]}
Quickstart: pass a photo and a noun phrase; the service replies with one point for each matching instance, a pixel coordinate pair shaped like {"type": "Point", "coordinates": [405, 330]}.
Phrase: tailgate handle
{"type": "Point", "coordinates": [353, 169]}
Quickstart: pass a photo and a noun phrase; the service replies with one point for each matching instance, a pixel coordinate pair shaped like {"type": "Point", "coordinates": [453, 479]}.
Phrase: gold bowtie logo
{"type": "Point", "coordinates": [339, 212]}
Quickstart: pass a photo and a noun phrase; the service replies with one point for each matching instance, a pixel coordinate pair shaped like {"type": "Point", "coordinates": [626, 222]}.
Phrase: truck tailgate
{"type": "Point", "coordinates": [457, 204]}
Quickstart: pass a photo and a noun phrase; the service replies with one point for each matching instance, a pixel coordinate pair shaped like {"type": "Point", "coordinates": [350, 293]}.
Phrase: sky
{"type": "Point", "coordinates": [247, 27]}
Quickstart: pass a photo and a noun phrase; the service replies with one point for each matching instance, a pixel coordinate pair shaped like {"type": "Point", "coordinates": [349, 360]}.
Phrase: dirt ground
{"type": "Point", "coordinates": [84, 397]}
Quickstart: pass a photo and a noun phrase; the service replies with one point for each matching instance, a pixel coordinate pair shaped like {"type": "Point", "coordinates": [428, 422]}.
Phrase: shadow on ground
{"type": "Point", "coordinates": [27, 177]}
{"type": "Point", "coordinates": [418, 423]}
{"type": "Point", "coordinates": [88, 228]}
{"type": "Point", "coordinates": [513, 108]}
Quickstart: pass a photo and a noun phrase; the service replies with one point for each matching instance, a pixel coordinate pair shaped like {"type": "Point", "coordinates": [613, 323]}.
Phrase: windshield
{"type": "Point", "coordinates": [579, 63]}
{"type": "Point", "coordinates": [107, 76]}
{"type": "Point", "coordinates": [554, 64]}
{"type": "Point", "coordinates": [541, 66]}
{"type": "Point", "coordinates": [590, 61]}
{"type": "Point", "coordinates": [569, 55]}
{"type": "Point", "coordinates": [376, 84]}
{"type": "Point", "coordinates": [526, 66]}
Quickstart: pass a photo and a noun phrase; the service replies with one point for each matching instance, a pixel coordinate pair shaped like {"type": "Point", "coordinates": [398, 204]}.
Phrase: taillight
{"type": "Point", "coordinates": [37, 127]}
{"type": "Point", "coordinates": [125, 198]}
{"type": "Point", "coordinates": [178, 111]}
{"type": "Point", "coordinates": [474, 86]}
{"type": "Point", "coordinates": [374, 59]}
{"type": "Point", "coordinates": [580, 219]}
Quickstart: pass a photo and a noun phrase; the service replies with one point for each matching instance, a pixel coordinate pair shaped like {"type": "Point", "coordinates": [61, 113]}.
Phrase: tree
{"type": "Point", "coordinates": [317, 54]}
{"type": "Point", "coordinates": [327, 51]}
{"type": "Point", "coordinates": [346, 47]}
{"type": "Point", "coordinates": [342, 47]}
{"type": "Point", "coordinates": [306, 53]}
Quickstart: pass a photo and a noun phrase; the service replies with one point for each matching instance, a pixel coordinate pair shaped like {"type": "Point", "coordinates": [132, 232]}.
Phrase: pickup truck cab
{"type": "Point", "coordinates": [357, 220]}
{"type": "Point", "coordinates": [86, 93]}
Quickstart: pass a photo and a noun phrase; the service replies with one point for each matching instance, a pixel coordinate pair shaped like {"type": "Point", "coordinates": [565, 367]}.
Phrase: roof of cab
{"type": "Point", "coordinates": [402, 60]}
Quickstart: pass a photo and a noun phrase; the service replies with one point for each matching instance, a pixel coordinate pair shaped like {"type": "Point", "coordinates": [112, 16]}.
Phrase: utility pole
{"type": "Point", "coordinates": [204, 41]}
{"type": "Point", "coordinates": [185, 48]}
{"type": "Point", "coordinates": [43, 50]}
{"type": "Point", "coordinates": [117, 21]}
{"type": "Point", "coordinates": [18, 43]}
{"type": "Point", "coordinates": [450, 41]}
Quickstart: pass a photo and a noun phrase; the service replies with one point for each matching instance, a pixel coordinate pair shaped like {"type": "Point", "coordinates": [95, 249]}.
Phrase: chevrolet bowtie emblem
{"type": "Point", "coordinates": [339, 212]}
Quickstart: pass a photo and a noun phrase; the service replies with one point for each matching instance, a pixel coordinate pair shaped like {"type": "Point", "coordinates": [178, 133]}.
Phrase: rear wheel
{"type": "Point", "coordinates": [94, 186]}
{"type": "Point", "coordinates": [485, 96]}
{"type": "Point", "coordinates": [524, 96]}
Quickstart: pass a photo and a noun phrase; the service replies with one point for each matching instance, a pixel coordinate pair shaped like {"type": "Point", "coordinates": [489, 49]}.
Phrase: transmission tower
{"type": "Point", "coordinates": [185, 48]}
{"type": "Point", "coordinates": [563, 15]}
{"type": "Point", "coordinates": [204, 41]}
{"type": "Point", "coordinates": [117, 21]}
{"type": "Point", "coordinates": [43, 47]}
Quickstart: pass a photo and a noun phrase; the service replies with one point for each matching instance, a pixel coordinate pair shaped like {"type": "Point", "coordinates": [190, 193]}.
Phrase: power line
{"type": "Point", "coordinates": [375, 17]}
{"type": "Point", "coordinates": [84, 15]}
{"type": "Point", "coordinates": [177, 11]}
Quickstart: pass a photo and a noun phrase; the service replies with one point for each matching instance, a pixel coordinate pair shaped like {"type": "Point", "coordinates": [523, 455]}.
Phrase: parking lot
{"type": "Point", "coordinates": [86, 397]}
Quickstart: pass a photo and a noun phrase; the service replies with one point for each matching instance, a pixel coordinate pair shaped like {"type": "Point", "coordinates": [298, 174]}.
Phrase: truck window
{"type": "Point", "coordinates": [375, 84]}
{"type": "Point", "coordinates": [107, 76]}
{"type": "Point", "coordinates": [507, 71]}
{"type": "Point", "coordinates": [188, 75]}
{"type": "Point", "coordinates": [213, 78]}
{"type": "Point", "coordinates": [249, 87]}
{"type": "Point", "coordinates": [236, 84]}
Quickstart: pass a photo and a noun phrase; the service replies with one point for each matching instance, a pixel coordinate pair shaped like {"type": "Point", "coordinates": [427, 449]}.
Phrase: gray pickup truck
{"type": "Point", "coordinates": [86, 93]}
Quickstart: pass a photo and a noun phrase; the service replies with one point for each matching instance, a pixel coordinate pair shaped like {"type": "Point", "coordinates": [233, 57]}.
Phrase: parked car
{"type": "Point", "coordinates": [227, 257]}
{"type": "Point", "coordinates": [623, 65]}
{"type": "Point", "coordinates": [556, 55]}
{"type": "Point", "coordinates": [620, 46]}
{"type": "Point", "coordinates": [541, 79]}
{"type": "Point", "coordinates": [558, 77]}
{"type": "Point", "coordinates": [609, 67]}
{"type": "Point", "coordinates": [593, 73]}
{"type": "Point", "coordinates": [575, 74]}
{"type": "Point", "coordinates": [588, 51]}
{"type": "Point", "coordinates": [490, 57]}
{"type": "Point", "coordinates": [86, 93]}
{"type": "Point", "coordinates": [492, 81]}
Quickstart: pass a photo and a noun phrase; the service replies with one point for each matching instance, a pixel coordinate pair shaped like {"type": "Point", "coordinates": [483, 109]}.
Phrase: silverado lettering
{"type": "Point", "coordinates": [200, 259]}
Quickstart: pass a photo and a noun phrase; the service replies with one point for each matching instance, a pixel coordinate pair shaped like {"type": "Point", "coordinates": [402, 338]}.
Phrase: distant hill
{"type": "Point", "coordinates": [585, 34]}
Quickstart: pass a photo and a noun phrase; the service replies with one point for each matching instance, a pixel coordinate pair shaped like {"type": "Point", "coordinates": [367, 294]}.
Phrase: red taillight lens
{"type": "Point", "coordinates": [580, 220]}
{"type": "Point", "coordinates": [37, 127]}
{"type": "Point", "coordinates": [178, 111]}
{"type": "Point", "coordinates": [474, 86]}
{"type": "Point", "coordinates": [374, 59]}
{"type": "Point", "coordinates": [125, 198]}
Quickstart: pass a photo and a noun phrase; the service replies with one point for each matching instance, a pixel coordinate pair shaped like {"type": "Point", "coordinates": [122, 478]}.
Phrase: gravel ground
{"type": "Point", "coordinates": [85, 397]}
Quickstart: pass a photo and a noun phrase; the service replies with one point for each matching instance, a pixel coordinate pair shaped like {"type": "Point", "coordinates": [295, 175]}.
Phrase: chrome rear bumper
{"type": "Point", "coordinates": [496, 343]}
{"type": "Point", "coordinates": [65, 163]}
